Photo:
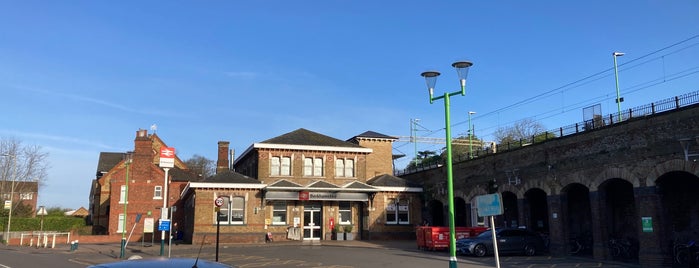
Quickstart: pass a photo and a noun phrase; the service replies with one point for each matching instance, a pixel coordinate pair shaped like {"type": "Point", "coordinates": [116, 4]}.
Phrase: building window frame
{"type": "Point", "coordinates": [344, 212]}
{"type": "Point", "coordinates": [279, 213]}
{"type": "Point", "coordinates": [280, 166]}
{"type": "Point", "coordinates": [120, 224]}
{"type": "Point", "coordinates": [26, 196]}
{"type": "Point", "coordinates": [313, 167]}
{"type": "Point", "coordinates": [158, 192]}
{"type": "Point", "coordinates": [122, 195]}
{"type": "Point", "coordinates": [344, 167]}
{"type": "Point", "coordinates": [232, 212]}
{"type": "Point", "coordinates": [397, 211]}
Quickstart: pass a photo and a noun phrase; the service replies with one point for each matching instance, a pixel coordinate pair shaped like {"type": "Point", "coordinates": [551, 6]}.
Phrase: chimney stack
{"type": "Point", "coordinates": [222, 165]}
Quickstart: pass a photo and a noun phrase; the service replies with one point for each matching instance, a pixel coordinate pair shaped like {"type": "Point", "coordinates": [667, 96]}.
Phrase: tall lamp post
{"type": "Point", "coordinates": [12, 194]}
{"type": "Point", "coordinates": [127, 163]}
{"type": "Point", "coordinates": [616, 78]}
{"type": "Point", "coordinates": [431, 79]}
{"type": "Point", "coordinates": [470, 135]}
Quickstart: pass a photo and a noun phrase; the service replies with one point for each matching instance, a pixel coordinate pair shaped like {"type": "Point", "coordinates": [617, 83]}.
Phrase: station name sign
{"type": "Point", "coordinates": [317, 196]}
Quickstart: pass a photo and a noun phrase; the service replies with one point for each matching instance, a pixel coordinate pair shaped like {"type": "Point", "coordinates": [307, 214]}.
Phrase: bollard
{"type": "Point", "coordinates": [72, 245]}
{"type": "Point", "coordinates": [76, 244]}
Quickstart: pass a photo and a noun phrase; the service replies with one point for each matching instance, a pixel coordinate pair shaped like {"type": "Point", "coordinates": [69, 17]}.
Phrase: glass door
{"type": "Point", "coordinates": [312, 221]}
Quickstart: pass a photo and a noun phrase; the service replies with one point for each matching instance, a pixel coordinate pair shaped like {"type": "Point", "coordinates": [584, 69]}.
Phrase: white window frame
{"type": "Point", "coordinates": [395, 208]}
{"type": "Point", "coordinates": [312, 166]}
{"type": "Point", "coordinates": [280, 166]}
{"type": "Point", "coordinates": [120, 224]}
{"type": "Point", "coordinates": [232, 208]}
{"type": "Point", "coordinates": [279, 208]}
{"type": "Point", "coordinates": [344, 167]}
{"type": "Point", "coordinates": [122, 195]}
{"type": "Point", "coordinates": [26, 196]}
{"type": "Point", "coordinates": [158, 192]}
{"type": "Point", "coordinates": [347, 210]}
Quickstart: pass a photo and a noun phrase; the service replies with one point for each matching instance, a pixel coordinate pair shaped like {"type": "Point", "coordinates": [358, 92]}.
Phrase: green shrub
{"type": "Point", "coordinates": [51, 223]}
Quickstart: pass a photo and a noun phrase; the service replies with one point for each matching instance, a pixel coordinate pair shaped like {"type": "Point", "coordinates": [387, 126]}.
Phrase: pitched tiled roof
{"type": "Point", "coordinates": [355, 185]}
{"type": "Point", "coordinates": [375, 135]}
{"type": "Point", "coordinates": [386, 180]}
{"type": "Point", "coordinates": [182, 175]}
{"type": "Point", "coordinates": [321, 184]}
{"type": "Point", "coordinates": [306, 137]}
{"type": "Point", "coordinates": [230, 177]}
{"type": "Point", "coordinates": [107, 161]}
{"type": "Point", "coordinates": [285, 183]}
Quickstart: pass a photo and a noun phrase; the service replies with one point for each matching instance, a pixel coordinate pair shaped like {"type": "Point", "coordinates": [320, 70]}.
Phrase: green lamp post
{"type": "Point", "coordinates": [431, 79]}
{"type": "Point", "coordinates": [127, 162]}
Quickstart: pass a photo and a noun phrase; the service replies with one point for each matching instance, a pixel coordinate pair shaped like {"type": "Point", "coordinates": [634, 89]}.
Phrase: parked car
{"type": "Point", "coordinates": [162, 262]}
{"type": "Point", "coordinates": [510, 241]}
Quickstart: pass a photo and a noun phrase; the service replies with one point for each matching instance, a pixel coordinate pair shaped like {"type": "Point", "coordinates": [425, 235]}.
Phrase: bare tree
{"type": "Point", "coordinates": [24, 167]}
{"type": "Point", "coordinates": [201, 166]}
{"type": "Point", "coordinates": [522, 130]}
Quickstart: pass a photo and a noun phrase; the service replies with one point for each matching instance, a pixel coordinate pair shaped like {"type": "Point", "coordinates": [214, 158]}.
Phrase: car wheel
{"type": "Point", "coordinates": [529, 250]}
{"type": "Point", "coordinates": [479, 250]}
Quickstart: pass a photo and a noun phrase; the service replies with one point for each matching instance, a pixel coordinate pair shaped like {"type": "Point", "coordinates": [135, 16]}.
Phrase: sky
{"type": "Point", "coordinates": [81, 77]}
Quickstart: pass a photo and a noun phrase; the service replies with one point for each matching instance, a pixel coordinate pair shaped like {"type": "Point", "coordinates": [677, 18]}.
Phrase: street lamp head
{"type": "Point", "coordinates": [431, 79]}
{"type": "Point", "coordinates": [462, 70]}
{"type": "Point", "coordinates": [470, 112]}
{"type": "Point", "coordinates": [618, 54]}
{"type": "Point", "coordinates": [128, 157]}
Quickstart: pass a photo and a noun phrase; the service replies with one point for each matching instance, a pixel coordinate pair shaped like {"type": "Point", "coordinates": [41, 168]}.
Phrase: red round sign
{"type": "Point", "coordinates": [219, 202]}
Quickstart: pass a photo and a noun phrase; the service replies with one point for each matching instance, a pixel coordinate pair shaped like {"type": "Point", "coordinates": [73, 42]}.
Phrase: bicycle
{"type": "Point", "coordinates": [620, 248]}
{"type": "Point", "coordinates": [682, 251]}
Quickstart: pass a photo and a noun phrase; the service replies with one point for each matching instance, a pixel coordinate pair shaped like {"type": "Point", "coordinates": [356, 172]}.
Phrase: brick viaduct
{"type": "Point", "coordinates": [627, 181]}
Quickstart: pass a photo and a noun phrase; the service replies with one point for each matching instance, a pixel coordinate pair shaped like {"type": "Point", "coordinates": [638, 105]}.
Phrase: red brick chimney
{"type": "Point", "coordinates": [222, 165]}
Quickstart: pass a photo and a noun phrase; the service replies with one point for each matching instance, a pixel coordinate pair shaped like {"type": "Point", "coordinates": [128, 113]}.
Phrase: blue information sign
{"type": "Point", "coordinates": [489, 205]}
{"type": "Point", "coordinates": [164, 225]}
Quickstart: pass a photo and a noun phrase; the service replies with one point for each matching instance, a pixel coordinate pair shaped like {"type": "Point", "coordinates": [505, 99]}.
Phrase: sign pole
{"type": "Point", "coordinates": [163, 213]}
{"type": "Point", "coordinates": [167, 161]}
{"type": "Point", "coordinates": [495, 241]}
{"type": "Point", "coordinates": [218, 202]}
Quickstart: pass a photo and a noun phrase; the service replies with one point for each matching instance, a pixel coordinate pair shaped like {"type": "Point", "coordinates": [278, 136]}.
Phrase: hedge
{"type": "Point", "coordinates": [58, 224]}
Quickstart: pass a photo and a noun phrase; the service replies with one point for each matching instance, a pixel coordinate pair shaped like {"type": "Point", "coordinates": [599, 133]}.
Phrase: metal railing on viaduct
{"type": "Point", "coordinates": [593, 182]}
{"type": "Point", "coordinates": [665, 105]}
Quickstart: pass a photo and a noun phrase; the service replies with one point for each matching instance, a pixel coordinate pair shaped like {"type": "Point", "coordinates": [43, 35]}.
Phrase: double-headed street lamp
{"type": "Point", "coordinates": [470, 135]}
{"type": "Point", "coordinates": [431, 79]}
{"type": "Point", "coordinates": [12, 194]}
{"type": "Point", "coordinates": [616, 78]}
{"type": "Point", "coordinates": [127, 162]}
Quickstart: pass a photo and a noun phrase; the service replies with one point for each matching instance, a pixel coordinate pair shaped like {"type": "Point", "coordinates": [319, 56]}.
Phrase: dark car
{"type": "Point", "coordinates": [162, 262]}
{"type": "Point", "coordinates": [511, 241]}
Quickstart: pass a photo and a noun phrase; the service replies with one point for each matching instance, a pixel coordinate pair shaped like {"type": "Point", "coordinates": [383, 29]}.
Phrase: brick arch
{"type": "Point", "coordinates": [511, 188]}
{"type": "Point", "coordinates": [536, 184]}
{"type": "Point", "coordinates": [669, 166]}
{"type": "Point", "coordinates": [577, 177]}
{"type": "Point", "coordinates": [613, 173]}
{"type": "Point", "coordinates": [475, 191]}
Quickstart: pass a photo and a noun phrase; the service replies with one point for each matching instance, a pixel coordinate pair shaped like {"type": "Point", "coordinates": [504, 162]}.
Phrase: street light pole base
{"type": "Point", "coordinates": [123, 249]}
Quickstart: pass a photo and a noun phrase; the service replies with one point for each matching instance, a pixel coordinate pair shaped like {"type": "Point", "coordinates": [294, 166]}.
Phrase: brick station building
{"type": "Point", "coordinates": [298, 186]}
{"type": "Point", "coordinates": [304, 185]}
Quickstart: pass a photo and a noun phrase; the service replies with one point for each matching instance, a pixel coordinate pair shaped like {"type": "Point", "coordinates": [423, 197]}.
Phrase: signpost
{"type": "Point", "coordinates": [167, 161]}
{"type": "Point", "coordinates": [218, 202]}
{"type": "Point", "coordinates": [491, 205]}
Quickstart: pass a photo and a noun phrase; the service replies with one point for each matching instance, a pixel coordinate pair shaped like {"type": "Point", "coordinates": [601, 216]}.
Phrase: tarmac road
{"type": "Point", "coordinates": [325, 254]}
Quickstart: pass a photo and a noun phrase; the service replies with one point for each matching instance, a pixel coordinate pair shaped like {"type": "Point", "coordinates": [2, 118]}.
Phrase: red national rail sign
{"type": "Point", "coordinates": [167, 157]}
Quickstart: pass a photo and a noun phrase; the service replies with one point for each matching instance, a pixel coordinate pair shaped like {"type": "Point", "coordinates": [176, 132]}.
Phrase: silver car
{"type": "Point", "coordinates": [512, 241]}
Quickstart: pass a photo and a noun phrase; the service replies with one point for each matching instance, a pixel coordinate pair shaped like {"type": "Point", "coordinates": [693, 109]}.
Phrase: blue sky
{"type": "Point", "coordinates": [81, 77]}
